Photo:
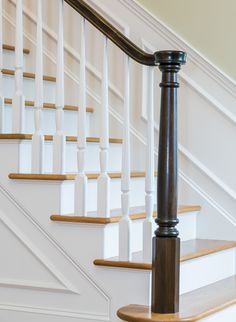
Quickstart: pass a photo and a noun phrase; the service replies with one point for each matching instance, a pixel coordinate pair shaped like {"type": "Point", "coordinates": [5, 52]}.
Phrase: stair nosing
{"type": "Point", "coordinates": [69, 138]}
{"type": "Point", "coordinates": [12, 48]}
{"type": "Point", "coordinates": [114, 219]}
{"type": "Point", "coordinates": [62, 177]}
{"type": "Point", "coordinates": [8, 101]}
{"type": "Point", "coordinates": [148, 266]}
{"type": "Point", "coordinates": [11, 72]}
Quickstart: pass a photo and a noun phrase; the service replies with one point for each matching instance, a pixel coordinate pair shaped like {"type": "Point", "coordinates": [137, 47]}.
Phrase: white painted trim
{"type": "Point", "coordinates": [24, 284]}
{"type": "Point", "coordinates": [53, 241]}
{"type": "Point", "coordinates": [208, 172]}
{"type": "Point", "coordinates": [66, 287]}
{"type": "Point", "coordinates": [230, 116]}
{"type": "Point", "coordinates": [68, 49]}
{"type": "Point", "coordinates": [176, 41]}
{"type": "Point", "coordinates": [184, 77]}
{"type": "Point", "coordinates": [59, 313]}
{"type": "Point", "coordinates": [208, 198]}
{"type": "Point", "coordinates": [214, 102]}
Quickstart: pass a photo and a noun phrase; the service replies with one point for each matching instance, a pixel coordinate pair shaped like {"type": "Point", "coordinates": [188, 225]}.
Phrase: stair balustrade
{"type": "Point", "coordinates": [166, 243]}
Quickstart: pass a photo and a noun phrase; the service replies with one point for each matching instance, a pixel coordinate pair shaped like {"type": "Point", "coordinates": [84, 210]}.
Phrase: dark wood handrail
{"type": "Point", "coordinates": [112, 33]}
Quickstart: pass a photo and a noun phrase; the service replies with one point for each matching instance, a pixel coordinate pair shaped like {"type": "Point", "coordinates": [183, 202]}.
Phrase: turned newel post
{"type": "Point", "coordinates": [166, 244]}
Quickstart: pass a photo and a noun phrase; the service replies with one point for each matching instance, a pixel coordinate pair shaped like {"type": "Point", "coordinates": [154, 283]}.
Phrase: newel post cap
{"type": "Point", "coordinates": [174, 57]}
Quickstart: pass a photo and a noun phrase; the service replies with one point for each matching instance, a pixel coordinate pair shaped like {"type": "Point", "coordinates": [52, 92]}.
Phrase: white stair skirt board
{"type": "Point", "coordinates": [28, 88]}
{"type": "Point", "coordinates": [48, 120]}
{"type": "Point", "coordinates": [9, 59]}
{"type": "Point", "coordinates": [92, 157]}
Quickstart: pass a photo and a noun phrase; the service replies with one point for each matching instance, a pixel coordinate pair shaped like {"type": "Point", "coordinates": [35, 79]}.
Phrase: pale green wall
{"type": "Point", "coordinates": [208, 25]}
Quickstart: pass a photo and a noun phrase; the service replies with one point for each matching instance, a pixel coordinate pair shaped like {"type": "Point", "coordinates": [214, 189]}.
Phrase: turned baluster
{"type": "Point", "coordinates": [59, 140]}
{"type": "Point", "coordinates": [18, 102]}
{"type": "Point", "coordinates": [38, 138]}
{"type": "Point", "coordinates": [103, 195]}
{"type": "Point", "coordinates": [125, 222]}
{"type": "Point", "coordinates": [81, 178]}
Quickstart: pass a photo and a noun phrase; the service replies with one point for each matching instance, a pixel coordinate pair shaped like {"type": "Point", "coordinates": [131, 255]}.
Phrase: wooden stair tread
{"type": "Point", "coordinates": [12, 48]}
{"type": "Point", "coordinates": [8, 101]}
{"type": "Point", "coordinates": [194, 305]}
{"type": "Point", "coordinates": [28, 75]}
{"type": "Point", "coordinates": [18, 136]}
{"type": "Point", "coordinates": [62, 177]}
{"type": "Point", "coordinates": [114, 219]}
{"type": "Point", "coordinates": [190, 249]}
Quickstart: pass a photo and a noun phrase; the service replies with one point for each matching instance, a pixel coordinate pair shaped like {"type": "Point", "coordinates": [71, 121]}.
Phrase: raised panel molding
{"type": "Point", "coordinates": [17, 243]}
{"type": "Point", "coordinates": [62, 288]}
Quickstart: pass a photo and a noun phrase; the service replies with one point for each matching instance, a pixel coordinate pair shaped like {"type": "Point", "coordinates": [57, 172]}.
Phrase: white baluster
{"type": "Point", "coordinates": [59, 140]}
{"type": "Point", "coordinates": [148, 225]}
{"type": "Point", "coordinates": [2, 109]}
{"type": "Point", "coordinates": [18, 104]}
{"type": "Point", "coordinates": [81, 178]}
{"type": "Point", "coordinates": [103, 197]}
{"type": "Point", "coordinates": [38, 138]}
{"type": "Point", "coordinates": [125, 222]}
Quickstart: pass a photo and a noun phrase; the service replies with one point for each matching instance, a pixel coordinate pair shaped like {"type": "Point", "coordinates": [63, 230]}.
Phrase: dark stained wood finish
{"type": "Point", "coordinates": [114, 219]}
{"type": "Point", "coordinates": [194, 305]}
{"type": "Point", "coordinates": [189, 249]}
{"type": "Point", "coordinates": [166, 244]}
{"type": "Point", "coordinates": [112, 33]}
{"type": "Point", "coordinates": [165, 279]}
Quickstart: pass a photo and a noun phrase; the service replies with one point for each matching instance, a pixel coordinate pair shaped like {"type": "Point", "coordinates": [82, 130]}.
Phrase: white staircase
{"type": "Point", "coordinates": [64, 260]}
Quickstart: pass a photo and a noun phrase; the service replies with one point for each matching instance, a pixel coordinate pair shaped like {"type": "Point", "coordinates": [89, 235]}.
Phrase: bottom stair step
{"type": "Point", "coordinates": [205, 302]}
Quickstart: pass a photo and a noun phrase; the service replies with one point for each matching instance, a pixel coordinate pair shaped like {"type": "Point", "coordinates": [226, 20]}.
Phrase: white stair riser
{"type": "Point", "coordinates": [137, 195]}
{"type": "Point", "coordinates": [9, 59]}
{"type": "Point", "coordinates": [194, 273]}
{"type": "Point", "coordinates": [29, 88]}
{"type": "Point", "coordinates": [186, 227]}
{"type": "Point", "coordinates": [48, 121]}
{"type": "Point", "coordinates": [92, 163]}
{"type": "Point", "coordinates": [206, 270]}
